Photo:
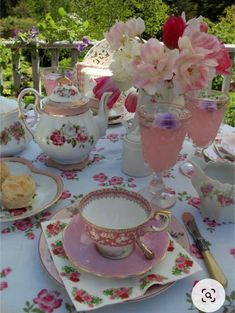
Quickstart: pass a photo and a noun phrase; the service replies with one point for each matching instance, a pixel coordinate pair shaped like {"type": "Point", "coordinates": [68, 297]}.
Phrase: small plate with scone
{"type": "Point", "coordinates": [26, 190]}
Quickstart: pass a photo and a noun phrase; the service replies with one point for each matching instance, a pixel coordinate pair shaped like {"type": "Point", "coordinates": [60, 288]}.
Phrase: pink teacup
{"type": "Point", "coordinates": [115, 219]}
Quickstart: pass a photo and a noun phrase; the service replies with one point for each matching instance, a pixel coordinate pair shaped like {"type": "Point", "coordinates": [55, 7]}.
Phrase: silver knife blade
{"type": "Point", "coordinates": [190, 223]}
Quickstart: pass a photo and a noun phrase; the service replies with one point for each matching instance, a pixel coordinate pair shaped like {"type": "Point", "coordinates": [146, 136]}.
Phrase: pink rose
{"type": "Point", "coordinates": [87, 298]}
{"type": "Point", "coordinates": [3, 285]}
{"type": "Point", "coordinates": [24, 224]}
{"type": "Point", "coordinates": [151, 277]}
{"type": "Point", "coordinates": [210, 223]}
{"type": "Point", "coordinates": [54, 228]}
{"type": "Point", "coordinates": [232, 252]}
{"type": "Point", "coordinates": [6, 271]}
{"type": "Point", "coordinates": [173, 29]}
{"type": "Point", "coordinates": [69, 175]}
{"type": "Point", "coordinates": [57, 138]}
{"type": "Point", "coordinates": [180, 266]}
{"type": "Point", "coordinates": [65, 195]}
{"type": "Point", "coordinates": [192, 71]}
{"type": "Point", "coordinates": [121, 293]}
{"type": "Point", "coordinates": [188, 263]}
{"type": "Point", "coordinates": [81, 137]}
{"type": "Point", "coordinates": [115, 180]}
{"type": "Point", "coordinates": [5, 231]}
{"type": "Point", "coordinates": [131, 102]}
{"type": "Point", "coordinates": [195, 202]}
{"type": "Point", "coordinates": [42, 157]}
{"type": "Point", "coordinates": [101, 177]}
{"type": "Point", "coordinates": [112, 137]}
{"type": "Point", "coordinates": [106, 84]}
{"type": "Point", "coordinates": [155, 66]}
{"type": "Point", "coordinates": [30, 236]}
{"type": "Point", "coordinates": [48, 301]}
{"type": "Point", "coordinates": [74, 276]}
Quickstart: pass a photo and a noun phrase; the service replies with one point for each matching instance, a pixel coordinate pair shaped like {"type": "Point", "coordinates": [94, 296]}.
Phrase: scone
{"type": "Point", "coordinates": [18, 191]}
{"type": "Point", "coordinates": [4, 172]}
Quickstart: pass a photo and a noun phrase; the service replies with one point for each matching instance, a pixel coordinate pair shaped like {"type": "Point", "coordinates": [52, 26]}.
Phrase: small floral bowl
{"type": "Point", "coordinates": [214, 182]}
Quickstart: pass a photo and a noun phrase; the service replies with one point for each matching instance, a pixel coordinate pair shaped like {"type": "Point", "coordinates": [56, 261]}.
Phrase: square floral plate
{"type": "Point", "coordinates": [49, 189]}
{"type": "Point", "coordinates": [176, 230]}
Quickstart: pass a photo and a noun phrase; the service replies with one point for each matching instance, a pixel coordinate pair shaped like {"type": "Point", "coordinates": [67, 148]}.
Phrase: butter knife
{"type": "Point", "coordinates": [212, 266]}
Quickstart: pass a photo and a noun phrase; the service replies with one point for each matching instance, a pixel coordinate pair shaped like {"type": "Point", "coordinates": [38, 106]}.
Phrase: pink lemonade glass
{"type": "Point", "coordinates": [163, 127]}
{"type": "Point", "coordinates": [207, 108]}
{"type": "Point", "coordinates": [52, 75]}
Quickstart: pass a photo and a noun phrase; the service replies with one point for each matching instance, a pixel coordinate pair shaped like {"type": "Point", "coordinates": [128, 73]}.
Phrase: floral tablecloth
{"type": "Point", "coordinates": [25, 286]}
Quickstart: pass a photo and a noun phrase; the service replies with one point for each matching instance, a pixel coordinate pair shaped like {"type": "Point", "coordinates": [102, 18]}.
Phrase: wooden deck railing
{"type": "Point", "coordinates": [55, 51]}
{"type": "Point", "coordinates": [35, 58]}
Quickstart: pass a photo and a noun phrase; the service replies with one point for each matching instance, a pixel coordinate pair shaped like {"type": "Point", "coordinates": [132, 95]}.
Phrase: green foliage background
{"type": "Point", "coordinates": [72, 19]}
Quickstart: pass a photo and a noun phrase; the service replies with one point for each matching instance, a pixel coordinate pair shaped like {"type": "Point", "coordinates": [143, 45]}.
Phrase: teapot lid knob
{"type": "Point", "coordinates": [65, 100]}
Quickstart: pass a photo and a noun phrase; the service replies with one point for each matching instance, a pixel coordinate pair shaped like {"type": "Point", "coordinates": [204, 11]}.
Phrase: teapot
{"type": "Point", "coordinates": [14, 136]}
{"type": "Point", "coordinates": [215, 185]}
{"type": "Point", "coordinates": [66, 130]}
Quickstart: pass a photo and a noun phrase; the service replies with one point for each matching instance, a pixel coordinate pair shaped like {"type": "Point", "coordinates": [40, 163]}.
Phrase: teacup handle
{"type": "Point", "coordinates": [148, 253]}
{"type": "Point", "coordinates": [166, 215]}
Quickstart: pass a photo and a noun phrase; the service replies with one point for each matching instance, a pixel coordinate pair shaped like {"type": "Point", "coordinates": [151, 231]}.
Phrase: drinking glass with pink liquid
{"type": "Point", "coordinates": [207, 108]}
{"type": "Point", "coordinates": [52, 75]}
{"type": "Point", "coordinates": [163, 127]}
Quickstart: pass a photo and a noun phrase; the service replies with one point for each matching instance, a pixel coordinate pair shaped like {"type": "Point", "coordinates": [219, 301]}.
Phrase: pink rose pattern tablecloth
{"type": "Point", "coordinates": [26, 287]}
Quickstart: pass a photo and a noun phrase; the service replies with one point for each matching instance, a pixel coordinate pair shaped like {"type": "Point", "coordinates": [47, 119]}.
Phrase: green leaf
{"type": "Point", "coordinates": [62, 12]}
{"type": "Point", "coordinates": [227, 298]}
{"type": "Point", "coordinates": [36, 311]}
{"type": "Point", "coordinates": [85, 24]}
{"type": "Point", "coordinates": [232, 295]}
{"type": "Point", "coordinates": [70, 307]}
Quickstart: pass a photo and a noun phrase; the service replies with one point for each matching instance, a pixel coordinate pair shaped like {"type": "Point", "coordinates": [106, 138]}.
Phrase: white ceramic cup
{"type": "Point", "coordinates": [115, 219]}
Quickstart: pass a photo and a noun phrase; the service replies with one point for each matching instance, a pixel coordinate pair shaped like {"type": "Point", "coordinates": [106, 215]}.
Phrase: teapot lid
{"type": "Point", "coordinates": [65, 100]}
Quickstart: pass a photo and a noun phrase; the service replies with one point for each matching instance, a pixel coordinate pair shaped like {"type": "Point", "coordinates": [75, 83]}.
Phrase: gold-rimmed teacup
{"type": "Point", "coordinates": [115, 219]}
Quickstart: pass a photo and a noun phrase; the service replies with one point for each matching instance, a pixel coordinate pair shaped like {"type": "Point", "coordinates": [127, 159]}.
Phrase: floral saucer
{"type": "Point", "coordinates": [176, 230]}
{"type": "Point", "coordinates": [82, 252]}
{"type": "Point", "coordinates": [49, 189]}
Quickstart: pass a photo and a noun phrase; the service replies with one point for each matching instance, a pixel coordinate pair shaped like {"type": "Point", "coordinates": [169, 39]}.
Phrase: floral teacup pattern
{"type": "Point", "coordinates": [14, 131]}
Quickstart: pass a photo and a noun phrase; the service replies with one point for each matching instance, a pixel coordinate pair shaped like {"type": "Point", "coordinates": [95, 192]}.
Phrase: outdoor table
{"type": "Point", "coordinates": [25, 286]}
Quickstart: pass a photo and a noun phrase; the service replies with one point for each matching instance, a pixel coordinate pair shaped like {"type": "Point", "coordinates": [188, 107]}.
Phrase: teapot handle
{"type": "Point", "coordinates": [36, 107]}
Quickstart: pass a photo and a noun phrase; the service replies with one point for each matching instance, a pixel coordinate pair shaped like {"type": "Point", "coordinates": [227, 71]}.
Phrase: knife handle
{"type": "Point", "coordinates": [213, 268]}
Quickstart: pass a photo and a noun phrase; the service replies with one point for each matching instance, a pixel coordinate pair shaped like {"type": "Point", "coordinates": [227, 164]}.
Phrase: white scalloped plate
{"type": "Point", "coordinates": [48, 192]}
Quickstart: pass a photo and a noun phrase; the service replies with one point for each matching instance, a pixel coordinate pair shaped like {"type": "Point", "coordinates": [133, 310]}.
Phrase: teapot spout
{"type": "Point", "coordinates": [102, 117]}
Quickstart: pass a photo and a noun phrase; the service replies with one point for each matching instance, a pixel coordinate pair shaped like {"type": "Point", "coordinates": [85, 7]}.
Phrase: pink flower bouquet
{"type": "Point", "coordinates": [187, 59]}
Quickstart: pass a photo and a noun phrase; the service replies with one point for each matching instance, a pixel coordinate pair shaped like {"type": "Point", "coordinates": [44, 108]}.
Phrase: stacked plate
{"type": "Point", "coordinates": [222, 148]}
{"type": "Point", "coordinates": [79, 266]}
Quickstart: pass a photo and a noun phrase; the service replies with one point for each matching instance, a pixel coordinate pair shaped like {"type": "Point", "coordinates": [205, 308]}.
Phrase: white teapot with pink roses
{"type": "Point", "coordinates": [66, 130]}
